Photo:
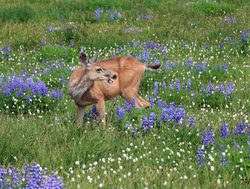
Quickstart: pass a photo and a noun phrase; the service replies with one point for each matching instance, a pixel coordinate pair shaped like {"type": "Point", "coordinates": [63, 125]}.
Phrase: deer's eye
{"type": "Point", "coordinates": [98, 70]}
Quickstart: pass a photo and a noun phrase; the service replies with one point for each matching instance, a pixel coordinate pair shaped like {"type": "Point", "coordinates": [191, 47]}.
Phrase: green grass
{"type": "Point", "coordinates": [165, 157]}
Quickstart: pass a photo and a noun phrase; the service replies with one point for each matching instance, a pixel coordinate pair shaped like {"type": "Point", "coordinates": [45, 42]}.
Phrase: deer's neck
{"type": "Point", "coordinates": [77, 89]}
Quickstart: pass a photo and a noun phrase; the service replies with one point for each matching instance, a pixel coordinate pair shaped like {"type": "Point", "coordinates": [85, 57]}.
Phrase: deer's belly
{"type": "Point", "coordinates": [110, 90]}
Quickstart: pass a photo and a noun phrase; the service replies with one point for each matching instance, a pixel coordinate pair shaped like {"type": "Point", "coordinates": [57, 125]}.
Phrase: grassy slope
{"type": "Point", "coordinates": [55, 142]}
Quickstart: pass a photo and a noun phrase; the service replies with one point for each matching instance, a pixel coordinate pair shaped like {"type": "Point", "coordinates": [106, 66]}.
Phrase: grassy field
{"type": "Point", "coordinates": [196, 133]}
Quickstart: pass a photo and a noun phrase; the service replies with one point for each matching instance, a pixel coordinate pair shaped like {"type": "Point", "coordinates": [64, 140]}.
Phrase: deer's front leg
{"type": "Point", "coordinates": [101, 110]}
{"type": "Point", "coordinates": [80, 114]}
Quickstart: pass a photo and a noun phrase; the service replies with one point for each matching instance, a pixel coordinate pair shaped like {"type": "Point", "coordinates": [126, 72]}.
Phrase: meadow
{"type": "Point", "coordinates": [196, 133]}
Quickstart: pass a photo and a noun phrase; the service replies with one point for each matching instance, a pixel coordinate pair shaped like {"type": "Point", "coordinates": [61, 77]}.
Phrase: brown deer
{"type": "Point", "coordinates": [95, 82]}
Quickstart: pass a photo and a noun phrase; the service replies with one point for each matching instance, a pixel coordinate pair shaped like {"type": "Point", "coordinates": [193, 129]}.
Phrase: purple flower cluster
{"type": "Point", "coordinates": [51, 29]}
{"type": "Point", "coordinates": [224, 130]}
{"type": "Point", "coordinates": [115, 15]}
{"type": "Point", "coordinates": [227, 89]}
{"type": "Point", "coordinates": [98, 13]}
{"type": "Point", "coordinates": [5, 51]}
{"type": "Point", "coordinates": [147, 123]}
{"type": "Point", "coordinates": [146, 17]}
{"type": "Point", "coordinates": [201, 156]}
{"type": "Point", "coordinates": [172, 113]}
{"type": "Point", "coordinates": [191, 120]}
{"type": "Point", "coordinates": [32, 176]}
{"type": "Point", "coordinates": [112, 14]}
{"type": "Point", "coordinates": [120, 112]}
{"type": "Point", "coordinates": [222, 68]}
{"type": "Point", "coordinates": [208, 137]}
{"type": "Point", "coordinates": [56, 94]}
{"type": "Point", "coordinates": [240, 128]}
{"type": "Point", "coordinates": [231, 20]}
{"type": "Point", "coordinates": [18, 87]}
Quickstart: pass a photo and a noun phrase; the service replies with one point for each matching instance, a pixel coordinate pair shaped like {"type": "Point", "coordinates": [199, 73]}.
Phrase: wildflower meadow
{"type": "Point", "coordinates": [196, 132]}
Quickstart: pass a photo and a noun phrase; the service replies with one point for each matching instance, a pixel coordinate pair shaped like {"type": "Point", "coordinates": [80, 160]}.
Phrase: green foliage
{"type": "Point", "coordinates": [17, 13]}
{"type": "Point", "coordinates": [165, 156]}
{"type": "Point", "coordinates": [213, 8]}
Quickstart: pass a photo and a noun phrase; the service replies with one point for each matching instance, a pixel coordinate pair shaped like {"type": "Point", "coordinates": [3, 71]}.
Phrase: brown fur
{"type": "Point", "coordinates": [129, 72]}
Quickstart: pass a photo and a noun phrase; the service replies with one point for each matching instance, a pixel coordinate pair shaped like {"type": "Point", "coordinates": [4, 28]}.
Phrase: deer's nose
{"type": "Point", "coordinates": [114, 77]}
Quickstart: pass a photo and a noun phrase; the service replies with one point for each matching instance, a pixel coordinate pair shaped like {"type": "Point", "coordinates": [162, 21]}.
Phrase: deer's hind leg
{"type": "Point", "coordinates": [101, 110]}
{"type": "Point", "coordinates": [80, 114]}
{"type": "Point", "coordinates": [145, 103]}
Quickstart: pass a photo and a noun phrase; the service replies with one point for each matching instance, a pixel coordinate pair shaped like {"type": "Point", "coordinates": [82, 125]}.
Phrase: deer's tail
{"type": "Point", "coordinates": [152, 66]}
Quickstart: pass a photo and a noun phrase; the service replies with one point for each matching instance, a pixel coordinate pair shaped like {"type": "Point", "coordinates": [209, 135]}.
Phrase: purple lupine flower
{"type": "Point", "coordinates": [171, 85]}
{"type": "Point", "coordinates": [162, 104]}
{"type": "Point", "coordinates": [201, 156]}
{"type": "Point", "coordinates": [120, 113]}
{"type": "Point", "coordinates": [128, 125]}
{"type": "Point", "coordinates": [52, 29]}
{"type": "Point", "coordinates": [179, 114]}
{"type": "Point", "coordinates": [189, 84]}
{"type": "Point", "coordinates": [7, 48]}
{"type": "Point", "coordinates": [207, 137]}
{"type": "Point", "coordinates": [28, 99]}
{"type": "Point", "coordinates": [43, 42]}
{"type": "Point", "coordinates": [118, 14]}
{"type": "Point", "coordinates": [231, 20]}
{"type": "Point", "coordinates": [240, 128]}
{"type": "Point", "coordinates": [235, 43]}
{"type": "Point", "coordinates": [203, 88]}
{"type": "Point", "coordinates": [145, 55]}
{"type": "Point", "coordinates": [167, 65]}
{"type": "Point", "coordinates": [191, 120]}
{"type": "Point", "coordinates": [243, 35]}
{"type": "Point", "coordinates": [56, 94]}
{"type": "Point", "coordinates": [222, 46]}
{"type": "Point", "coordinates": [156, 88]}
{"type": "Point", "coordinates": [151, 119]}
{"type": "Point", "coordinates": [111, 17]}
{"type": "Point", "coordinates": [43, 90]}
{"type": "Point", "coordinates": [98, 13]}
{"type": "Point", "coordinates": [52, 182]}
{"type": "Point", "coordinates": [32, 176]}
{"type": "Point", "coordinates": [224, 68]}
{"type": "Point", "coordinates": [206, 46]}
{"type": "Point", "coordinates": [224, 130]}
{"type": "Point", "coordinates": [196, 67]}
{"type": "Point", "coordinates": [128, 106]}
{"type": "Point", "coordinates": [228, 38]}
{"type": "Point", "coordinates": [203, 66]}
{"type": "Point", "coordinates": [168, 113]}
{"type": "Point", "coordinates": [133, 133]}
{"type": "Point", "coordinates": [163, 85]}
{"type": "Point", "coordinates": [174, 66]}
{"type": "Point", "coordinates": [133, 102]}
{"type": "Point", "coordinates": [145, 124]}
{"type": "Point", "coordinates": [221, 88]}
{"type": "Point", "coordinates": [94, 111]}
{"type": "Point", "coordinates": [190, 63]}
{"type": "Point", "coordinates": [229, 89]}
{"type": "Point", "coordinates": [178, 85]}
{"type": "Point", "coordinates": [218, 67]}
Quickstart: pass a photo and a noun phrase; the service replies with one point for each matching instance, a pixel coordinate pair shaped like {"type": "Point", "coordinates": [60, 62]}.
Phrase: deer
{"type": "Point", "coordinates": [95, 82]}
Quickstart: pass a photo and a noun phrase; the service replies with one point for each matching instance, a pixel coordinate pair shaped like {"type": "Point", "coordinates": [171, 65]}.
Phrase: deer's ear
{"type": "Point", "coordinates": [94, 59]}
{"type": "Point", "coordinates": [83, 57]}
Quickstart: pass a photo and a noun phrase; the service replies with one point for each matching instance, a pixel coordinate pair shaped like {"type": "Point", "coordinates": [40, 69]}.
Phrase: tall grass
{"type": "Point", "coordinates": [195, 134]}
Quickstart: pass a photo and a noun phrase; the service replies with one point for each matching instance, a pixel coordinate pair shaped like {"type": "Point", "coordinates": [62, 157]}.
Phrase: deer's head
{"type": "Point", "coordinates": [94, 72]}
